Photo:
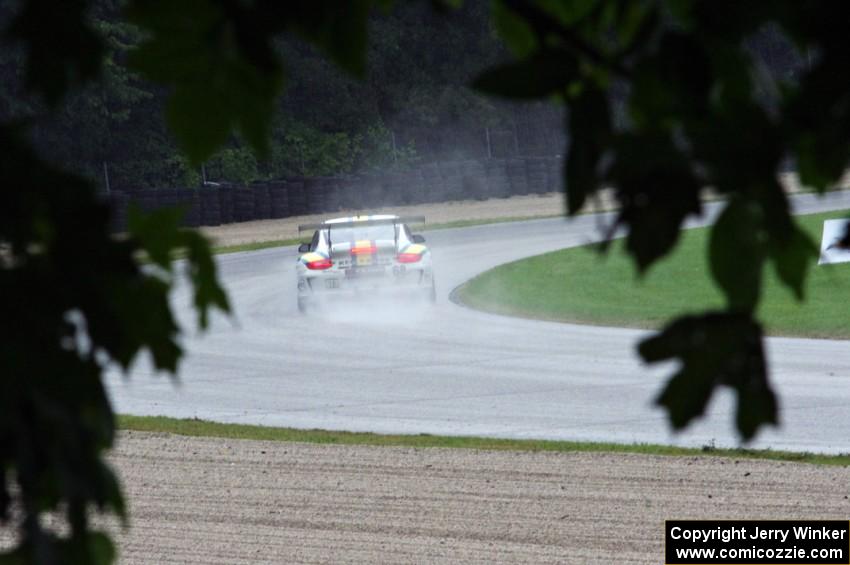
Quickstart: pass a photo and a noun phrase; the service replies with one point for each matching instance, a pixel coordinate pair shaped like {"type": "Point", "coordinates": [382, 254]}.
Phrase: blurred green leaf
{"type": "Point", "coordinates": [714, 349]}
{"type": "Point", "coordinates": [14, 557]}
{"type": "Point", "coordinates": [102, 549]}
{"type": "Point", "coordinates": [201, 122]}
{"type": "Point", "coordinates": [672, 85]}
{"type": "Point", "coordinates": [157, 232]}
{"type": "Point", "coordinates": [657, 190]}
{"type": "Point", "coordinates": [94, 548]}
{"type": "Point", "coordinates": [202, 273]}
{"type": "Point", "coordinates": [514, 30]}
{"type": "Point", "coordinates": [792, 259]}
{"type": "Point", "coordinates": [146, 302]}
{"type": "Point", "coordinates": [757, 404]}
{"type": "Point", "coordinates": [62, 49]}
{"type": "Point", "coordinates": [637, 24]}
{"type": "Point", "coordinates": [340, 30]}
{"type": "Point", "coordinates": [546, 73]}
{"type": "Point", "coordinates": [737, 252]}
{"type": "Point", "coordinates": [222, 70]}
{"type": "Point", "coordinates": [571, 12]}
{"type": "Point", "coordinates": [733, 71]}
{"type": "Point", "coordinates": [5, 497]}
{"type": "Point", "coordinates": [730, 22]}
{"type": "Point", "coordinates": [589, 126]}
{"type": "Point", "coordinates": [747, 161]}
{"type": "Point", "coordinates": [819, 124]}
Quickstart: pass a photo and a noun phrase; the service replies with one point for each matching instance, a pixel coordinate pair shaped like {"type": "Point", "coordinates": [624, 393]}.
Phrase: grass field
{"type": "Point", "coordinates": [203, 428]}
{"type": "Point", "coordinates": [579, 285]}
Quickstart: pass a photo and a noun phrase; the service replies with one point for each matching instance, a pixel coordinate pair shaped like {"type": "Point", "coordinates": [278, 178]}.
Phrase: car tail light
{"type": "Point", "coordinates": [409, 257]}
{"type": "Point", "coordinates": [320, 264]}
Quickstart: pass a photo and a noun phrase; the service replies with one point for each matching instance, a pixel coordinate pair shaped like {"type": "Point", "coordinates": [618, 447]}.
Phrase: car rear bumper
{"type": "Point", "coordinates": [341, 286]}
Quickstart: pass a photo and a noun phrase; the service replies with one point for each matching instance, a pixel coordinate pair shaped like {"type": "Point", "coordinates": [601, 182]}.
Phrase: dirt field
{"type": "Point", "coordinates": [244, 502]}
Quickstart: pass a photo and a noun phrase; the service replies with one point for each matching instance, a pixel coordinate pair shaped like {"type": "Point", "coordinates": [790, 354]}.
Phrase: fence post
{"type": "Point", "coordinates": [489, 148]}
{"type": "Point", "coordinates": [392, 136]}
{"type": "Point", "coordinates": [106, 176]}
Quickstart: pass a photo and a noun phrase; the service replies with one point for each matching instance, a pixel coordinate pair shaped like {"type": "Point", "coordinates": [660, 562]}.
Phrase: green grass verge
{"type": "Point", "coordinates": [255, 245]}
{"type": "Point", "coordinates": [580, 285]}
{"type": "Point", "coordinates": [203, 428]}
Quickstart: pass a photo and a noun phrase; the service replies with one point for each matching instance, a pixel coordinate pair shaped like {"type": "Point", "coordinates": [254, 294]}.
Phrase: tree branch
{"type": "Point", "coordinates": [544, 24]}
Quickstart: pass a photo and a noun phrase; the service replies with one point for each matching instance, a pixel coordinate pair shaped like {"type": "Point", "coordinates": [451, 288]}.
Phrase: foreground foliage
{"type": "Point", "coordinates": [75, 300]}
{"type": "Point", "coordinates": [663, 98]}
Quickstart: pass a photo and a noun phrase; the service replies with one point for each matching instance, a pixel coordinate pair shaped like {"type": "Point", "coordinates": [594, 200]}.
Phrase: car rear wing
{"type": "Point", "coordinates": [355, 223]}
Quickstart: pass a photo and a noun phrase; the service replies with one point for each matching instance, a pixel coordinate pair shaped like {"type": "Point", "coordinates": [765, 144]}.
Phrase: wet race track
{"type": "Point", "coordinates": [445, 369]}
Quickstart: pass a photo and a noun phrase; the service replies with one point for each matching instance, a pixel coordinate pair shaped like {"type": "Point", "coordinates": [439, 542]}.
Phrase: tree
{"type": "Point", "coordinates": [663, 98]}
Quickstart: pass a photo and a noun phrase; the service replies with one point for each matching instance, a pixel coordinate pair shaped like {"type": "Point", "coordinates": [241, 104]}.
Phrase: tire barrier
{"type": "Point", "coordinates": [210, 206]}
{"type": "Point", "coordinates": [297, 198]}
{"type": "Point", "coordinates": [537, 175]}
{"type": "Point", "coordinates": [413, 186]}
{"type": "Point", "coordinates": [373, 192]}
{"type": "Point", "coordinates": [243, 204]}
{"type": "Point", "coordinates": [118, 203]}
{"type": "Point", "coordinates": [225, 203]}
{"type": "Point", "coordinates": [555, 168]}
{"type": "Point", "coordinates": [279, 200]}
{"type": "Point", "coordinates": [184, 198]}
{"type": "Point", "coordinates": [452, 174]}
{"type": "Point", "coordinates": [474, 181]}
{"type": "Point", "coordinates": [262, 201]}
{"type": "Point", "coordinates": [517, 176]}
{"type": "Point", "coordinates": [316, 193]}
{"type": "Point", "coordinates": [498, 185]}
{"type": "Point", "coordinates": [435, 189]}
{"type": "Point", "coordinates": [350, 193]}
{"type": "Point", "coordinates": [393, 189]}
{"type": "Point", "coordinates": [332, 195]}
{"type": "Point", "coordinates": [145, 200]}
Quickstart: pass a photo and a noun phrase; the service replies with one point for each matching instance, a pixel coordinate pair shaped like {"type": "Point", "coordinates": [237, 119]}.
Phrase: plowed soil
{"type": "Point", "coordinates": [244, 502]}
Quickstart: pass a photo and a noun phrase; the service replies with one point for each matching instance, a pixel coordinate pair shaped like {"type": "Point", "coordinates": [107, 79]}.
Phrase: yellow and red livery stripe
{"type": "Point", "coordinates": [312, 256]}
{"type": "Point", "coordinates": [417, 248]}
{"type": "Point", "coordinates": [363, 247]}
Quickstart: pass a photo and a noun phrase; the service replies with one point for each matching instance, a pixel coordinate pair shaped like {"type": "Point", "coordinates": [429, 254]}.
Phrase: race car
{"type": "Point", "coordinates": [360, 256]}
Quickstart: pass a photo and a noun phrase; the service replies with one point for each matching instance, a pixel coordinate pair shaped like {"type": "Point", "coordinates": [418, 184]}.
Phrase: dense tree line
{"type": "Point", "coordinates": [415, 104]}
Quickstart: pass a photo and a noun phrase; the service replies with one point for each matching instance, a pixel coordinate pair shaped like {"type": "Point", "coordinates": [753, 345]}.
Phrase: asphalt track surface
{"type": "Point", "coordinates": [397, 367]}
